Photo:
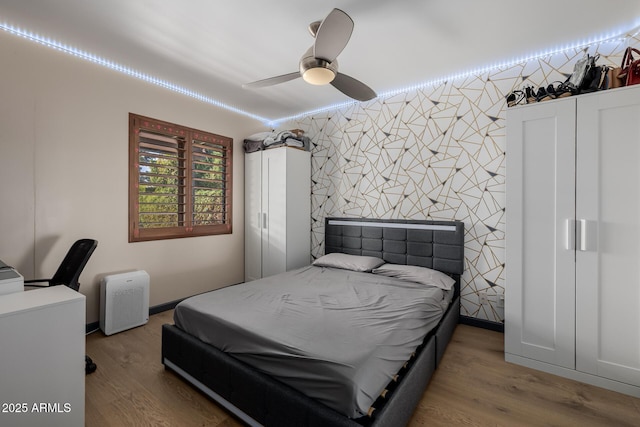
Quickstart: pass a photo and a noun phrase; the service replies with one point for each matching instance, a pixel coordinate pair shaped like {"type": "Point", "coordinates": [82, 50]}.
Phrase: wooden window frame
{"type": "Point", "coordinates": [186, 182]}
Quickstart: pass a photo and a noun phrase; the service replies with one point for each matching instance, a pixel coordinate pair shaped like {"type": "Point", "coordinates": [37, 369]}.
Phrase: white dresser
{"type": "Point", "coordinates": [42, 365]}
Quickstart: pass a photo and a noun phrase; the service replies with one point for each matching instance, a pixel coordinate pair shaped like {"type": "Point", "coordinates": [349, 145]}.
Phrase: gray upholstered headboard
{"type": "Point", "coordinates": [434, 244]}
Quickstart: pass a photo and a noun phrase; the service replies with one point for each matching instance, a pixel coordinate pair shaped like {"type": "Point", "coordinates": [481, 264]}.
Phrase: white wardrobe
{"type": "Point", "coordinates": [277, 211]}
{"type": "Point", "coordinates": [572, 301]}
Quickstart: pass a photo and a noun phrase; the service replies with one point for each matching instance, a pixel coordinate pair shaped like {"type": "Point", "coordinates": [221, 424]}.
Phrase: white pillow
{"type": "Point", "coordinates": [348, 262]}
{"type": "Point", "coordinates": [413, 273]}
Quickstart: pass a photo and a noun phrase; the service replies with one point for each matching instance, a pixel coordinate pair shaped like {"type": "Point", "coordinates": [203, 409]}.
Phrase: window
{"type": "Point", "coordinates": [179, 181]}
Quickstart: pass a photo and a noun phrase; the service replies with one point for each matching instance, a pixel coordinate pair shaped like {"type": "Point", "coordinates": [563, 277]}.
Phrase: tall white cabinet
{"type": "Point", "coordinates": [277, 211]}
{"type": "Point", "coordinates": [572, 302]}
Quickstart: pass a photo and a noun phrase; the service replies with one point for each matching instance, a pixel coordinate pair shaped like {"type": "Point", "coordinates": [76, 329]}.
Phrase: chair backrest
{"type": "Point", "coordinates": [73, 263]}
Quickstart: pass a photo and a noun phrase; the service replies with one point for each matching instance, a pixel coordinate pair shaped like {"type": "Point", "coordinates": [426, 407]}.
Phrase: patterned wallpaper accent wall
{"type": "Point", "coordinates": [433, 153]}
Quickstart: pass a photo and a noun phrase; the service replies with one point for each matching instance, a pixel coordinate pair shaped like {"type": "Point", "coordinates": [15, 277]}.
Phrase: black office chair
{"type": "Point", "coordinates": [68, 274]}
{"type": "Point", "coordinates": [72, 265]}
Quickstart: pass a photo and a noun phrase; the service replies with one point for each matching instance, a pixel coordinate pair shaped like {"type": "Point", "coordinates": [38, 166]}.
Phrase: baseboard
{"type": "Point", "coordinates": [94, 326]}
{"type": "Point", "coordinates": [465, 320]}
{"type": "Point", "coordinates": [164, 307]}
{"type": "Point", "coordinates": [481, 323]}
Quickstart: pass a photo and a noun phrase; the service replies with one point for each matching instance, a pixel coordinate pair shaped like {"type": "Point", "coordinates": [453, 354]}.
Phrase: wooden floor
{"type": "Point", "coordinates": [473, 386]}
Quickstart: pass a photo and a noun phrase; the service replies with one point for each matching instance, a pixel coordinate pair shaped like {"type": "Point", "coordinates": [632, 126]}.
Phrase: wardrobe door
{"type": "Point", "coordinates": [298, 208]}
{"type": "Point", "coordinates": [540, 273]}
{"type": "Point", "coordinates": [274, 207]}
{"type": "Point", "coordinates": [253, 216]}
{"type": "Point", "coordinates": [608, 256]}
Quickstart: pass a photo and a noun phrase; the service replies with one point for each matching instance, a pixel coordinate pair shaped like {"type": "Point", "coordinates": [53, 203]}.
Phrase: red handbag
{"type": "Point", "coordinates": [630, 73]}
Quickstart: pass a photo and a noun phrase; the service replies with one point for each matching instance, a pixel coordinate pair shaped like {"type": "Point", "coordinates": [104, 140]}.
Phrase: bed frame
{"type": "Point", "coordinates": [260, 400]}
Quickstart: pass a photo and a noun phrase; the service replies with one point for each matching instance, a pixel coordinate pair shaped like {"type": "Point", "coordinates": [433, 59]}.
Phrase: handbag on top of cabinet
{"type": "Point", "coordinates": [582, 71]}
{"type": "Point", "coordinates": [630, 73]}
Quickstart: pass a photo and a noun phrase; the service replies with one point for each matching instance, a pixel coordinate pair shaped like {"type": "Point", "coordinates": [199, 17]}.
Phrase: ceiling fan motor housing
{"type": "Point", "coordinates": [319, 65]}
{"type": "Point", "coordinates": [317, 71]}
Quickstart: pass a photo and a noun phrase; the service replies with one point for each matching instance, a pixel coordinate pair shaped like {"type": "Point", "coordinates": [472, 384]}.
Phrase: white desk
{"type": "Point", "coordinates": [42, 341]}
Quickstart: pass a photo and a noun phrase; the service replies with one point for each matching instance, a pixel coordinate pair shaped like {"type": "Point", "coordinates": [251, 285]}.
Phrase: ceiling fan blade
{"type": "Point", "coordinates": [353, 88]}
{"type": "Point", "coordinates": [333, 35]}
{"type": "Point", "coordinates": [271, 81]}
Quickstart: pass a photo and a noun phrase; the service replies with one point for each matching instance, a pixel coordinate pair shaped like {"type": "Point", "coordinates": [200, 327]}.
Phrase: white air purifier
{"type": "Point", "coordinates": [124, 301]}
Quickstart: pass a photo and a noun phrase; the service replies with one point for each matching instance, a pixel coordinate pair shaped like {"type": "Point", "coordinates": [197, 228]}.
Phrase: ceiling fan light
{"type": "Point", "coordinates": [318, 76]}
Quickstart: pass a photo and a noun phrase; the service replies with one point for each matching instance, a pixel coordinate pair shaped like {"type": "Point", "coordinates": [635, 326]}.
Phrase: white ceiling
{"type": "Point", "coordinates": [212, 47]}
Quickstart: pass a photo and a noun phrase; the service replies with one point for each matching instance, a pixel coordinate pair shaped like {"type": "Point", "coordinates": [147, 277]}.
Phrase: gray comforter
{"type": "Point", "coordinates": [336, 335]}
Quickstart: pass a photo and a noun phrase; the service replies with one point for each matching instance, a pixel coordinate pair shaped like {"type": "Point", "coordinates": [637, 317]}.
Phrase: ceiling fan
{"type": "Point", "coordinates": [319, 65]}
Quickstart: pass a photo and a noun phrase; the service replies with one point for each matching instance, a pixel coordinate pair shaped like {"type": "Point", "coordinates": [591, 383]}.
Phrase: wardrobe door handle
{"type": "Point", "coordinates": [264, 220]}
{"type": "Point", "coordinates": [588, 235]}
{"type": "Point", "coordinates": [570, 243]}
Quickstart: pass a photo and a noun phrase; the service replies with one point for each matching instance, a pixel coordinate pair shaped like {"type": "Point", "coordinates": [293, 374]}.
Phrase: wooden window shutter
{"type": "Point", "coordinates": [180, 181]}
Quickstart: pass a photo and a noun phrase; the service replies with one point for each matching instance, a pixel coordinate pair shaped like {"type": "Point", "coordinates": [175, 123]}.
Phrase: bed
{"type": "Point", "coordinates": [259, 396]}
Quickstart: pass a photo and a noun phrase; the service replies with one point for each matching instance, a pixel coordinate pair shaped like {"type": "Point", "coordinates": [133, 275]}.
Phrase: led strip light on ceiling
{"type": "Point", "coordinates": [617, 36]}
{"type": "Point", "coordinates": [125, 70]}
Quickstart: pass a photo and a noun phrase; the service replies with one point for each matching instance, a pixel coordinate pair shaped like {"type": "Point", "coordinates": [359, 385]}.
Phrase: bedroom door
{"type": "Point", "coordinates": [608, 249]}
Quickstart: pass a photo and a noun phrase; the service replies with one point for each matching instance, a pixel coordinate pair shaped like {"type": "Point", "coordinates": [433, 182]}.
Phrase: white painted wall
{"type": "Point", "coordinates": [64, 174]}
